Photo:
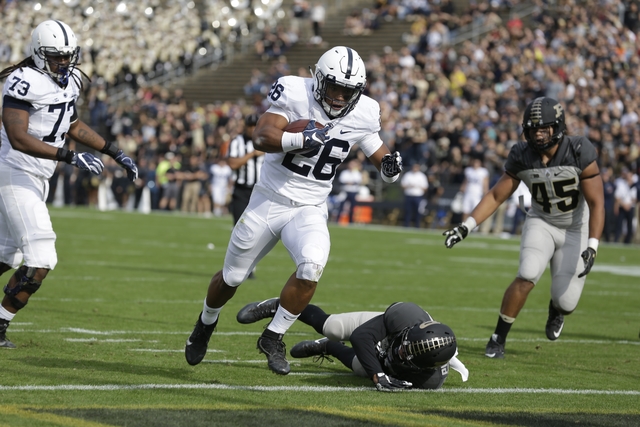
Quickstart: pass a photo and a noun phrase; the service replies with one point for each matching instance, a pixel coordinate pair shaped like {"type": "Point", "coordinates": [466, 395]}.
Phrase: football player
{"type": "Point", "coordinates": [289, 200]}
{"type": "Point", "coordinates": [39, 99]}
{"type": "Point", "coordinates": [402, 347]}
{"type": "Point", "coordinates": [564, 224]}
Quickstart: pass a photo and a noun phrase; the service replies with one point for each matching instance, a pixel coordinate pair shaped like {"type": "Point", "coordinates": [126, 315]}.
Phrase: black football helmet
{"type": "Point", "coordinates": [543, 112]}
{"type": "Point", "coordinates": [423, 346]}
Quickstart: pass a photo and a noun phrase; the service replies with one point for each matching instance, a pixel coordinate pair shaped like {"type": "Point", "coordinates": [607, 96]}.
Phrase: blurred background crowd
{"type": "Point", "coordinates": [452, 93]}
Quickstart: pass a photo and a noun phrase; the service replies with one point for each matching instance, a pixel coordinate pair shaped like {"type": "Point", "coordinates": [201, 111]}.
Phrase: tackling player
{"type": "Point", "coordinates": [289, 200]}
{"type": "Point", "coordinates": [402, 347]}
{"type": "Point", "coordinates": [38, 111]}
{"type": "Point", "coordinates": [563, 176]}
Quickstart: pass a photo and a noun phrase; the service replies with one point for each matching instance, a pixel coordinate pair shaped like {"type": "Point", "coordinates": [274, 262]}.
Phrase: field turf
{"type": "Point", "coordinates": [102, 342]}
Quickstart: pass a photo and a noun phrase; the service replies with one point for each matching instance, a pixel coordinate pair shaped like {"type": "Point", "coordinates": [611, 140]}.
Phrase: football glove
{"type": "Point", "coordinates": [455, 235]}
{"type": "Point", "coordinates": [314, 137]}
{"type": "Point", "coordinates": [128, 164]}
{"type": "Point", "coordinates": [588, 256]}
{"type": "Point", "coordinates": [391, 164]}
{"type": "Point", "coordinates": [87, 162]}
{"type": "Point", "coordinates": [387, 383]}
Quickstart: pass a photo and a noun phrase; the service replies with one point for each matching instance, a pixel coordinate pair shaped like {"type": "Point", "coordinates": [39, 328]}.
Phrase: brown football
{"type": "Point", "coordinates": [299, 126]}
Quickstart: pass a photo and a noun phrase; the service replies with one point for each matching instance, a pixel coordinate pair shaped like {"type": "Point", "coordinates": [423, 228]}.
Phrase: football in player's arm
{"type": "Point", "coordinates": [402, 347]}
{"type": "Point", "coordinates": [39, 99]}
{"type": "Point", "coordinates": [288, 202]}
{"type": "Point", "coordinates": [564, 224]}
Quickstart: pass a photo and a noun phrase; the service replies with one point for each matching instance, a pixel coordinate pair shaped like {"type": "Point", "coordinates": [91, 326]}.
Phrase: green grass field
{"type": "Point", "coordinates": [101, 343]}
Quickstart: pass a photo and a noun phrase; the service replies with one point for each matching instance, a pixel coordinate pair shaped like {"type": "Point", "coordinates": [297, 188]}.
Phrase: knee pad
{"type": "Point", "coordinates": [309, 271]}
{"type": "Point", "coordinates": [25, 283]}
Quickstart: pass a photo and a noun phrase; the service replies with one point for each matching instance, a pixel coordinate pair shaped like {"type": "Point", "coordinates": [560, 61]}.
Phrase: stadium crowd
{"type": "Point", "coordinates": [442, 104]}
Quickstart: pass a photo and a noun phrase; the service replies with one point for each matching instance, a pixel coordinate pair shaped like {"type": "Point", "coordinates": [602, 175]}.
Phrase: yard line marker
{"type": "Point", "coordinates": [117, 387]}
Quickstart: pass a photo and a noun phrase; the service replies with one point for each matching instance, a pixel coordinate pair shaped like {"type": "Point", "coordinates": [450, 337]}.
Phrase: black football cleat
{"type": "Point", "coordinates": [4, 341]}
{"type": "Point", "coordinates": [555, 323]}
{"type": "Point", "coordinates": [309, 348]}
{"type": "Point", "coordinates": [494, 349]}
{"type": "Point", "coordinates": [196, 346]}
{"type": "Point", "coordinates": [270, 343]}
{"type": "Point", "coordinates": [256, 311]}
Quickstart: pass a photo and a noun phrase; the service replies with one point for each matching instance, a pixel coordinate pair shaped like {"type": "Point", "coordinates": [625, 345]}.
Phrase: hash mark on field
{"type": "Point", "coordinates": [105, 340]}
{"type": "Point", "coordinates": [117, 387]}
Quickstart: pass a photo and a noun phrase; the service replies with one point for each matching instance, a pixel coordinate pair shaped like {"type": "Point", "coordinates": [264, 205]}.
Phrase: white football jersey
{"type": "Point", "coordinates": [308, 178]}
{"type": "Point", "coordinates": [51, 109]}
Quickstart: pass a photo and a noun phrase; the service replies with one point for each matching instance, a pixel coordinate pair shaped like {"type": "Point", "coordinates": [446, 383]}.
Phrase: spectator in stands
{"type": "Point", "coordinates": [624, 206]}
{"type": "Point", "coordinates": [221, 182]}
{"type": "Point", "coordinates": [350, 182]}
{"type": "Point", "coordinates": [415, 185]}
{"type": "Point", "coordinates": [318, 14]}
{"type": "Point", "coordinates": [609, 186]}
{"type": "Point", "coordinates": [169, 180]}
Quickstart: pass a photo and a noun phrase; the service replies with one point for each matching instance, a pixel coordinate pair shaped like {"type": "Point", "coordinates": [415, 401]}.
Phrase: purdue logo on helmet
{"type": "Point", "coordinates": [543, 112]}
{"type": "Point", "coordinates": [428, 345]}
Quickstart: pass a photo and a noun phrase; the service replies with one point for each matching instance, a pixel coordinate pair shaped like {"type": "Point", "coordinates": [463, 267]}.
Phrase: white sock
{"type": "Point", "coordinates": [209, 315]}
{"type": "Point", "coordinates": [282, 321]}
{"type": "Point", "coordinates": [6, 314]}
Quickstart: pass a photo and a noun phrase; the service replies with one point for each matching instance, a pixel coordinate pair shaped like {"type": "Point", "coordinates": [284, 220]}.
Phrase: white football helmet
{"type": "Point", "coordinates": [51, 41]}
{"type": "Point", "coordinates": [342, 68]}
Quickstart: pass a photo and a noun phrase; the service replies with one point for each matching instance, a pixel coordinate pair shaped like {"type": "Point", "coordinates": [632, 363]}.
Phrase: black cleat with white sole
{"type": "Point", "coordinates": [256, 311]}
{"type": "Point", "coordinates": [555, 323]}
{"type": "Point", "coordinates": [494, 349]}
{"type": "Point", "coordinates": [270, 343]}
{"type": "Point", "coordinates": [196, 346]}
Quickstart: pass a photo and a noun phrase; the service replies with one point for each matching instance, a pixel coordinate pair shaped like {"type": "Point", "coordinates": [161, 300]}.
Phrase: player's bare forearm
{"type": "Point", "coordinates": [376, 158]}
{"type": "Point", "coordinates": [83, 134]}
{"type": "Point", "coordinates": [498, 194]}
{"type": "Point", "coordinates": [16, 124]}
{"type": "Point", "coordinates": [593, 191]}
{"type": "Point", "coordinates": [267, 135]}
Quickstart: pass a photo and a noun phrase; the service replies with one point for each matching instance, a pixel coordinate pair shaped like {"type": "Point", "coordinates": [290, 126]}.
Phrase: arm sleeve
{"type": "Point", "coordinates": [364, 340]}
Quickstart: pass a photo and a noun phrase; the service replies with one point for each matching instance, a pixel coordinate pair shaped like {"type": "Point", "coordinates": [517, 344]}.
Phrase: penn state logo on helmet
{"type": "Point", "coordinates": [340, 79]}
{"type": "Point", "coordinates": [54, 49]}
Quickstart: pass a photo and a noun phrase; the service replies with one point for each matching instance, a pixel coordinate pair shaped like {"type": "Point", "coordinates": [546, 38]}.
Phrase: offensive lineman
{"type": "Point", "coordinates": [38, 110]}
{"type": "Point", "coordinates": [289, 200]}
{"type": "Point", "coordinates": [563, 176]}
{"type": "Point", "coordinates": [402, 347]}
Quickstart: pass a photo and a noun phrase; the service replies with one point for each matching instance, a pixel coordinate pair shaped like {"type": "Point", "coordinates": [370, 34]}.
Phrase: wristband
{"type": "Point", "coordinates": [470, 223]}
{"type": "Point", "coordinates": [291, 141]}
{"type": "Point", "coordinates": [64, 155]}
{"type": "Point", "coordinates": [110, 149]}
{"type": "Point", "coordinates": [593, 243]}
{"type": "Point", "coordinates": [389, 179]}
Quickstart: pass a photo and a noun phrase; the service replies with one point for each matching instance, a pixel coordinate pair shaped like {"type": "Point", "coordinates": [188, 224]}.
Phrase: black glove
{"type": "Point", "coordinates": [588, 256]}
{"type": "Point", "coordinates": [455, 235]}
{"type": "Point", "coordinates": [387, 383]}
{"type": "Point", "coordinates": [128, 164]}
{"type": "Point", "coordinates": [391, 164]}
{"type": "Point", "coordinates": [314, 137]}
{"type": "Point", "coordinates": [87, 162]}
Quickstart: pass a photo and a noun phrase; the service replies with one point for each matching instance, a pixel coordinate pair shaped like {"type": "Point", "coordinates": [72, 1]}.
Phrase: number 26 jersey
{"type": "Point", "coordinates": [307, 178]}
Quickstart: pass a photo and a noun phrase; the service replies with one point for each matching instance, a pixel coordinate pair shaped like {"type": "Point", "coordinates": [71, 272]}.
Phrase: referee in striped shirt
{"type": "Point", "coordinates": [246, 164]}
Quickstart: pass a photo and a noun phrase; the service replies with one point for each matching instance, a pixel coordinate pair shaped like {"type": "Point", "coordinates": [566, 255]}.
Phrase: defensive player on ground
{"type": "Point", "coordinates": [289, 201]}
{"type": "Point", "coordinates": [39, 100]}
{"type": "Point", "coordinates": [563, 176]}
{"type": "Point", "coordinates": [402, 347]}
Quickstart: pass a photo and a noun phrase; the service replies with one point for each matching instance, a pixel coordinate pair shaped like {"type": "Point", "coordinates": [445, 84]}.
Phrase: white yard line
{"type": "Point", "coordinates": [322, 389]}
